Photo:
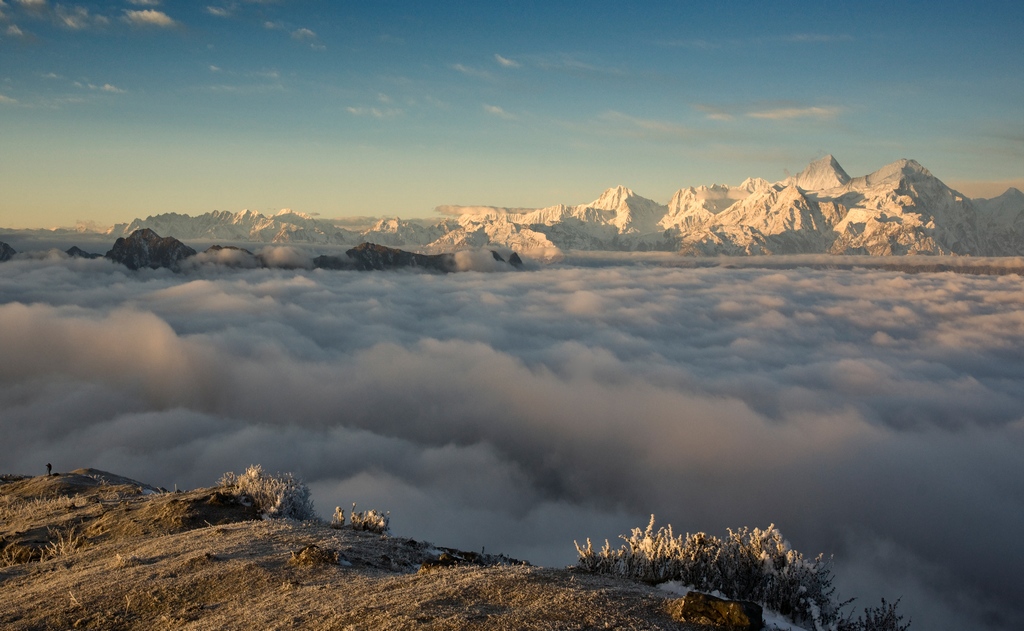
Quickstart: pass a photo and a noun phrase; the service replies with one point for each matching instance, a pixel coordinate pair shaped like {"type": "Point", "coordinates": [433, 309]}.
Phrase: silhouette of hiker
{"type": "Point", "coordinates": [49, 468]}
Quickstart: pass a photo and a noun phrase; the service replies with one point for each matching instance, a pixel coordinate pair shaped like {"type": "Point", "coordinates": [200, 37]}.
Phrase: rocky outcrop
{"type": "Point", "coordinates": [313, 555]}
{"type": "Point", "coordinates": [513, 259]}
{"type": "Point", "coordinates": [145, 248]}
{"type": "Point", "coordinates": [6, 252]}
{"type": "Point", "coordinates": [370, 256]}
{"type": "Point", "coordinates": [78, 253]}
{"type": "Point", "coordinates": [729, 615]}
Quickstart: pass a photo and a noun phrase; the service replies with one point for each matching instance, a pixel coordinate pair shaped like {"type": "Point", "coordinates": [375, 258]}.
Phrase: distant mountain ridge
{"type": "Point", "coordinates": [899, 209]}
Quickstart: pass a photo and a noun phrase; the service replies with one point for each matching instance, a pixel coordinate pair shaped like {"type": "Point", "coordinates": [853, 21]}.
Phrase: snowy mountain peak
{"type": "Point", "coordinates": [613, 198]}
{"type": "Point", "coordinates": [899, 170]}
{"type": "Point", "coordinates": [821, 175]}
{"type": "Point", "coordinates": [752, 185]}
{"type": "Point", "coordinates": [288, 212]}
{"type": "Point", "coordinates": [1012, 195]}
{"type": "Point", "coordinates": [1007, 208]}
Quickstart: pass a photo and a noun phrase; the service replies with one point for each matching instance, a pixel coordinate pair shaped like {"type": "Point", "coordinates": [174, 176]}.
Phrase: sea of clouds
{"type": "Point", "coordinates": [877, 416]}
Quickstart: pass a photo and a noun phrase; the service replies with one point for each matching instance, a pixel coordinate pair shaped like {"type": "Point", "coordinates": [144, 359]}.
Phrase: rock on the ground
{"type": "Point", "coordinates": [734, 615]}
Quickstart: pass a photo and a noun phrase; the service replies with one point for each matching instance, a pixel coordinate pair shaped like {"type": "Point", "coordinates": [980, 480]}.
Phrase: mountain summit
{"type": "Point", "coordinates": [145, 248]}
{"type": "Point", "coordinates": [821, 175]}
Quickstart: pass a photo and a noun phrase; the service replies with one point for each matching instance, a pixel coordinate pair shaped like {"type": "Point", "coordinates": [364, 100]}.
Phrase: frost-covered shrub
{"type": "Point", "coordinates": [281, 495]}
{"type": "Point", "coordinates": [756, 565]}
{"type": "Point", "coordinates": [371, 520]}
{"type": "Point", "coordinates": [338, 520]}
{"type": "Point", "coordinates": [882, 618]}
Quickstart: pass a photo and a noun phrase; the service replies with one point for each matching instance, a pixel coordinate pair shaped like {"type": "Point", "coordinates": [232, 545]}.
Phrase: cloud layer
{"type": "Point", "coordinates": [870, 414]}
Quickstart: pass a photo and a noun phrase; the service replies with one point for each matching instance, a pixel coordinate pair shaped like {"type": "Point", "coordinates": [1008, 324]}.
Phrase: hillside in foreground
{"type": "Point", "coordinates": [93, 550]}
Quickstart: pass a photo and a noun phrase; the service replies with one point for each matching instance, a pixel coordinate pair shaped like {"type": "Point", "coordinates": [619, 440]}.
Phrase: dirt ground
{"type": "Point", "coordinates": [93, 550]}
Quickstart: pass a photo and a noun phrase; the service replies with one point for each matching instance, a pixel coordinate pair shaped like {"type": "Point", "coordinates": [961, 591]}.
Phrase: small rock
{"type": "Point", "coordinates": [733, 615]}
{"type": "Point", "coordinates": [314, 555]}
{"type": "Point", "coordinates": [443, 561]}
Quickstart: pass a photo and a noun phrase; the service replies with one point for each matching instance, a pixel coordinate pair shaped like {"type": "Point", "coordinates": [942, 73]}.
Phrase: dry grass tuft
{"type": "Point", "coordinates": [63, 541]}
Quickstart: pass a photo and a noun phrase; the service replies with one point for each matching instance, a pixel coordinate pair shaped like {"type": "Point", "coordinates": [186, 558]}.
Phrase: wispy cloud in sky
{"type": "Point", "coordinates": [495, 110]}
{"type": "Point", "coordinates": [570, 63]}
{"type": "Point", "coordinates": [308, 36]}
{"type": "Point", "coordinates": [471, 71]}
{"type": "Point", "coordinates": [78, 18]}
{"type": "Point", "coordinates": [775, 112]}
{"type": "Point", "coordinates": [816, 38]}
{"type": "Point", "coordinates": [695, 43]}
{"type": "Point", "coordinates": [506, 62]}
{"type": "Point", "coordinates": [646, 126]}
{"type": "Point", "coordinates": [106, 87]}
{"type": "Point", "coordinates": [149, 17]}
{"type": "Point", "coordinates": [374, 112]}
{"type": "Point", "coordinates": [789, 113]}
{"type": "Point", "coordinates": [756, 41]}
{"type": "Point", "coordinates": [713, 113]}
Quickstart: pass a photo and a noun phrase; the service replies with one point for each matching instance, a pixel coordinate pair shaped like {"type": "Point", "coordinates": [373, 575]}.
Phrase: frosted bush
{"type": "Point", "coordinates": [756, 565]}
{"type": "Point", "coordinates": [338, 520]}
{"type": "Point", "coordinates": [281, 495]}
{"type": "Point", "coordinates": [371, 520]}
{"type": "Point", "coordinates": [882, 618]}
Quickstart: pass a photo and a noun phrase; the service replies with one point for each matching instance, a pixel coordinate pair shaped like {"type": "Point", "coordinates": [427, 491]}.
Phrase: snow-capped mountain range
{"type": "Point", "coordinates": [899, 209]}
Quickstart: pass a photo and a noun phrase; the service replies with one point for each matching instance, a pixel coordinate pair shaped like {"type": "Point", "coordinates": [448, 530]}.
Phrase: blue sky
{"type": "Point", "coordinates": [114, 110]}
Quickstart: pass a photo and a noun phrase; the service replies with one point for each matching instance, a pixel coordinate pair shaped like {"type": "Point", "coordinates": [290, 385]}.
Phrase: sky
{"type": "Point", "coordinates": [874, 416]}
{"type": "Point", "coordinates": [116, 110]}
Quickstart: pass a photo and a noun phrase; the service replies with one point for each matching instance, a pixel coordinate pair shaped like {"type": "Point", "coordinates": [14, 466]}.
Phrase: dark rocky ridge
{"type": "Point", "coordinates": [77, 252]}
{"type": "Point", "coordinates": [370, 256]}
{"type": "Point", "coordinates": [145, 248]}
